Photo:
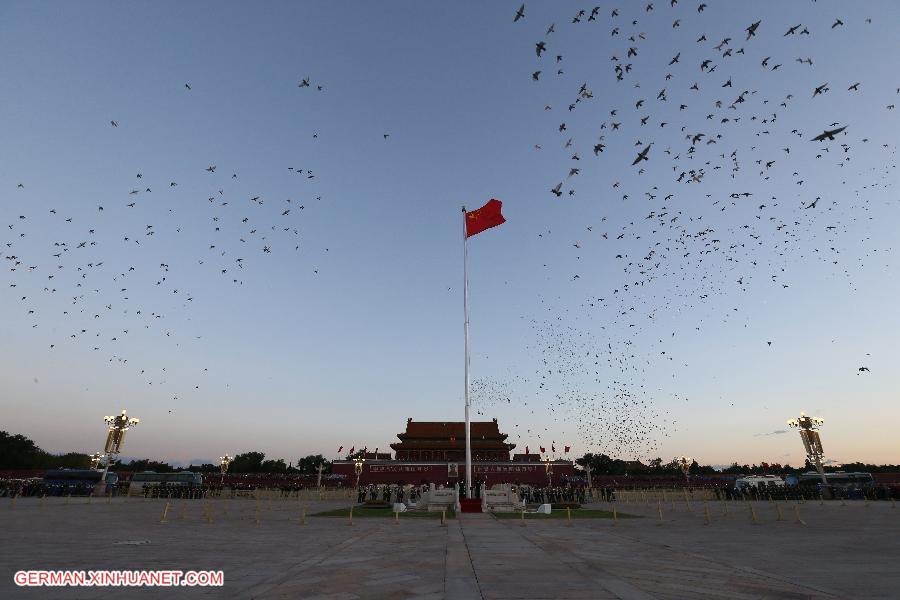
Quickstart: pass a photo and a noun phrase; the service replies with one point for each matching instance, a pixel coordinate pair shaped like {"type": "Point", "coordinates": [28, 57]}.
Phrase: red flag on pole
{"type": "Point", "coordinates": [542, 449]}
{"type": "Point", "coordinates": [553, 447]}
{"type": "Point", "coordinates": [526, 450]}
{"type": "Point", "coordinates": [567, 449]}
{"type": "Point", "coordinates": [483, 218]}
{"type": "Point", "coordinates": [352, 448]}
{"type": "Point", "coordinates": [339, 449]}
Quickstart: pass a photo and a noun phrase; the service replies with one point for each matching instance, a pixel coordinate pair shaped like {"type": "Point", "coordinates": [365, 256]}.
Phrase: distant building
{"type": "Point", "coordinates": [435, 452]}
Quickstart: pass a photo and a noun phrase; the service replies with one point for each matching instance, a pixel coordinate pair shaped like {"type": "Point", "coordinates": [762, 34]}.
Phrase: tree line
{"type": "Point", "coordinates": [20, 452]}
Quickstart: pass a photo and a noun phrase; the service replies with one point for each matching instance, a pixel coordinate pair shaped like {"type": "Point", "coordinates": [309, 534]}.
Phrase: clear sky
{"type": "Point", "coordinates": [344, 317]}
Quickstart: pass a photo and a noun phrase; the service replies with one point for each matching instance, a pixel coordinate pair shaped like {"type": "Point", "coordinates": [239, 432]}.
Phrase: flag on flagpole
{"type": "Point", "coordinates": [339, 449]}
{"type": "Point", "coordinates": [484, 218]}
{"type": "Point", "coordinates": [553, 447]}
{"type": "Point", "coordinates": [352, 448]}
{"type": "Point", "coordinates": [542, 449]}
{"type": "Point", "coordinates": [567, 449]}
{"type": "Point", "coordinates": [526, 450]}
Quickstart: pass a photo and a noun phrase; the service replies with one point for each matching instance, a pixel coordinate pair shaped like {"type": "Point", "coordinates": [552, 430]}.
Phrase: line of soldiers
{"type": "Point", "coordinates": [389, 493]}
{"type": "Point", "coordinates": [553, 494]}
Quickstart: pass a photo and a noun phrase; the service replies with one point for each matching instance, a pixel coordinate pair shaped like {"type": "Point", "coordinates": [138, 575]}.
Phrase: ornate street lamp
{"type": "Point", "coordinates": [96, 457]}
{"type": "Point", "coordinates": [549, 467]}
{"type": "Point", "coordinates": [685, 464]}
{"type": "Point", "coordinates": [224, 463]}
{"type": "Point", "coordinates": [812, 443]}
{"type": "Point", "coordinates": [358, 467]}
{"type": "Point", "coordinates": [115, 439]}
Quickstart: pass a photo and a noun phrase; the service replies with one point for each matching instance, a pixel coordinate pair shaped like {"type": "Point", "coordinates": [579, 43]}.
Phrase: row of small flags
{"type": "Point", "coordinates": [542, 449]}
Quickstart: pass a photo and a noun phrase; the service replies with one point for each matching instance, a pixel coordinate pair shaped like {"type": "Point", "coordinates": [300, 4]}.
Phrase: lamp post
{"type": "Point", "coordinates": [812, 443]}
{"type": "Point", "coordinates": [118, 425]}
{"type": "Point", "coordinates": [685, 464]}
{"type": "Point", "coordinates": [358, 467]}
{"type": "Point", "coordinates": [548, 465]}
{"type": "Point", "coordinates": [224, 463]}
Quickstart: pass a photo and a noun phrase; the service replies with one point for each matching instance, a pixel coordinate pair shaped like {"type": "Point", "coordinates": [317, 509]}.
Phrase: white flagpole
{"type": "Point", "coordinates": [466, 335]}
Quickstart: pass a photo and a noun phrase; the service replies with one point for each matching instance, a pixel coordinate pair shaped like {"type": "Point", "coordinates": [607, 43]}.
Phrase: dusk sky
{"type": "Point", "coordinates": [692, 317]}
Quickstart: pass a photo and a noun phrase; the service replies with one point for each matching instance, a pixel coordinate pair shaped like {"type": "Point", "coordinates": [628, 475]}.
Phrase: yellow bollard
{"type": "Point", "coordinates": [109, 497]}
{"type": "Point", "coordinates": [659, 510]}
{"type": "Point", "coordinates": [165, 516]}
{"type": "Point", "coordinates": [67, 498]}
{"type": "Point", "coordinates": [183, 514]}
{"type": "Point", "coordinates": [705, 513]}
{"type": "Point", "coordinates": [615, 516]}
{"type": "Point", "coordinates": [303, 517]}
{"type": "Point", "coordinates": [522, 520]}
{"type": "Point", "coordinates": [568, 516]}
{"type": "Point", "coordinates": [753, 517]}
{"type": "Point", "coordinates": [43, 499]}
{"type": "Point", "coordinates": [396, 517]}
{"type": "Point", "coordinates": [821, 500]}
{"type": "Point", "coordinates": [351, 516]}
{"type": "Point", "coordinates": [444, 518]}
{"type": "Point", "coordinates": [799, 521]}
{"type": "Point", "coordinates": [12, 504]}
{"type": "Point", "coordinates": [778, 512]}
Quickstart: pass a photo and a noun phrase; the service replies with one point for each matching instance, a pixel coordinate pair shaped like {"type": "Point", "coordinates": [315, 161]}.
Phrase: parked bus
{"type": "Point", "coordinates": [843, 485]}
{"type": "Point", "coordinates": [760, 482]}
{"type": "Point", "coordinates": [139, 481]}
{"type": "Point", "coordinates": [76, 482]}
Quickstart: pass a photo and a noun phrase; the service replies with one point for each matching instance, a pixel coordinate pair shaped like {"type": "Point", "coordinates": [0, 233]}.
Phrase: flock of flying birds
{"type": "Point", "coordinates": [720, 200]}
{"type": "Point", "coordinates": [676, 241]}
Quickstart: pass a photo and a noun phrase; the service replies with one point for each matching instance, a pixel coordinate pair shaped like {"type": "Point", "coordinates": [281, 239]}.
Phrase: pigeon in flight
{"type": "Point", "coordinates": [828, 134]}
{"type": "Point", "coordinates": [519, 13]}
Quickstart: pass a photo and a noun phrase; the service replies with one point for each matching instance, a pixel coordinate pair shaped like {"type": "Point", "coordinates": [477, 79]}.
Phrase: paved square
{"type": "Point", "coordinates": [842, 551]}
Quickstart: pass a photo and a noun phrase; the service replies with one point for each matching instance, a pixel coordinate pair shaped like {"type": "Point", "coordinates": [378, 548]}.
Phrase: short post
{"type": "Point", "coordinates": [778, 512]}
{"type": "Point", "coordinates": [705, 513]}
{"type": "Point", "coordinates": [109, 497]}
{"type": "Point", "coordinates": [724, 508]}
{"type": "Point", "coordinates": [893, 503]}
{"type": "Point", "coordinates": [444, 518]}
{"type": "Point", "coordinates": [303, 517]}
{"type": "Point", "coordinates": [799, 521]}
{"type": "Point", "coordinates": [615, 516]}
{"type": "Point", "coordinates": [12, 504]}
{"type": "Point", "coordinates": [67, 498]}
{"type": "Point", "coordinates": [351, 516]}
{"type": "Point", "coordinates": [569, 516]}
{"type": "Point", "coordinates": [396, 517]}
{"type": "Point", "coordinates": [43, 499]}
{"type": "Point", "coordinates": [753, 517]}
{"type": "Point", "coordinates": [659, 510]}
{"type": "Point", "coordinates": [90, 497]}
{"type": "Point", "coordinates": [165, 515]}
{"type": "Point", "coordinates": [522, 520]}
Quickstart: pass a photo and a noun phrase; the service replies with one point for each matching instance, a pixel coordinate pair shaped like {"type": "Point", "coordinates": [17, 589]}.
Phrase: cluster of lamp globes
{"type": "Point", "coordinates": [806, 422]}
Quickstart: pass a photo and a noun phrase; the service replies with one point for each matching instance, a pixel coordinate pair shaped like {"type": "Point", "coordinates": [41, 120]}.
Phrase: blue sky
{"type": "Point", "coordinates": [339, 341]}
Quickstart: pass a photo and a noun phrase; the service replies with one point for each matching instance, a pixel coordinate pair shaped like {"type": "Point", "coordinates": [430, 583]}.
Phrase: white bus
{"type": "Point", "coordinates": [139, 481]}
{"type": "Point", "coordinates": [760, 482]}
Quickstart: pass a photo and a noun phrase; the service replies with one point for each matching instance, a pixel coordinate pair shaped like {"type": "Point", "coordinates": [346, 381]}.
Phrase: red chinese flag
{"type": "Point", "coordinates": [542, 449]}
{"type": "Point", "coordinates": [339, 449]}
{"type": "Point", "coordinates": [484, 218]}
{"type": "Point", "coordinates": [553, 447]}
{"type": "Point", "coordinates": [352, 449]}
{"type": "Point", "coordinates": [526, 451]}
{"type": "Point", "coordinates": [567, 449]}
